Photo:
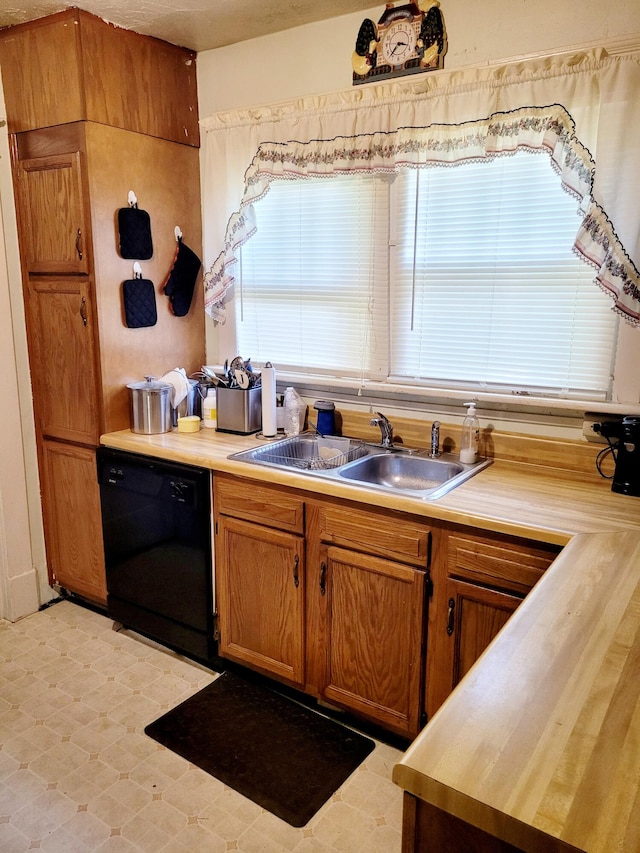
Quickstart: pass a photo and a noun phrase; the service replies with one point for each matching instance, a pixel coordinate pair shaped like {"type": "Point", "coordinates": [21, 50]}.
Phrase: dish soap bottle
{"type": "Point", "coordinates": [470, 438]}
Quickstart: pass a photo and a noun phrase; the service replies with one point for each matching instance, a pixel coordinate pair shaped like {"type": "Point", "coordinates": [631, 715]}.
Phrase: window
{"type": "Point", "coordinates": [447, 277]}
{"type": "Point", "coordinates": [314, 277]}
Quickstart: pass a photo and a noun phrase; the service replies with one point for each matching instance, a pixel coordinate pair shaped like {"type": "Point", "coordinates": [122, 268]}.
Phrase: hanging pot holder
{"type": "Point", "coordinates": [181, 281]}
{"type": "Point", "coordinates": [134, 227]}
{"type": "Point", "coordinates": [139, 298]}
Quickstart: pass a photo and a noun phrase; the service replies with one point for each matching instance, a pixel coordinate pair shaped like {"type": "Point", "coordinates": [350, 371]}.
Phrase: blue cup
{"type": "Point", "coordinates": [326, 417]}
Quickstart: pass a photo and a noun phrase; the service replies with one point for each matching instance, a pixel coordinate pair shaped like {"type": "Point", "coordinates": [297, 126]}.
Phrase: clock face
{"type": "Point", "coordinates": [398, 43]}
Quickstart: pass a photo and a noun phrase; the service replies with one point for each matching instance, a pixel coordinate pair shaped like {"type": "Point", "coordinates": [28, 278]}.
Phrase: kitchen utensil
{"type": "Point", "coordinates": [150, 406]}
{"type": "Point", "coordinates": [242, 378]}
{"type": "Point", "coordinates": [209, 373]}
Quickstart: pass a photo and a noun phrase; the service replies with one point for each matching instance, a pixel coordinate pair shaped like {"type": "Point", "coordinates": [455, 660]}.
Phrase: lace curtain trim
{"type": "Point", "coordinates": [549, 129]}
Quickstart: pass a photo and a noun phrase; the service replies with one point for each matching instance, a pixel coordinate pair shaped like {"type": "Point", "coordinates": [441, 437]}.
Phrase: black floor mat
{"type": "Point", "coordinates": [285, 757]}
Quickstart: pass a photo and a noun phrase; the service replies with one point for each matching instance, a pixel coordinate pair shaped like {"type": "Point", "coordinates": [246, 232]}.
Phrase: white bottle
{"type": "Point", "coordinates": [209, 410]}
{"type": "Point", "coordinates": [470, 438]}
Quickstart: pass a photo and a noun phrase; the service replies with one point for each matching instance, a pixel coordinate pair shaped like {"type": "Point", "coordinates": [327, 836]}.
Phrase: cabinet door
{"type": "Point", "coordinates": [73, 531]}
{"type": "Point", "coordinates": [479, 580]}
{"type": "Point", "coordinates": [260, 597]}
{"type": "Point", "coordinates": [62, 356]}
{"type": "Point", "coordinates": [53, 223]}
{"type": "Point", "coordinates": [374, 637]}
{"type": "Point", "coordinates": [41, 73]}
{"type": "Point", "coordinates": [475, 614]}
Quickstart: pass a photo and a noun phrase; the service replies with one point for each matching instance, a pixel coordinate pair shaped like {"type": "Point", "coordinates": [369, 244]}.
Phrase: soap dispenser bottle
{"type": "Point", "coordinates": [470, 439]}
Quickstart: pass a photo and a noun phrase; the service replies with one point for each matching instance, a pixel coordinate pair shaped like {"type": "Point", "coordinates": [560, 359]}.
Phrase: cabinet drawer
{"type": "Point", "coordinates": [252, 501]}
{"type": "Point", "coordinates": [516, 568]}
{"type": "Point", "coordinates": [378, 533]}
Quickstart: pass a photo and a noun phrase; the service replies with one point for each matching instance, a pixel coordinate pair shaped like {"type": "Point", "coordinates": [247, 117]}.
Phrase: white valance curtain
{"type": "Point", "coordinates": [583, 110]}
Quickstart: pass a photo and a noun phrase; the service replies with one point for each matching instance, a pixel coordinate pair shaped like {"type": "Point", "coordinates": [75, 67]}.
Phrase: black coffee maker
{"type": "Point", "coordinates": [626, 452]}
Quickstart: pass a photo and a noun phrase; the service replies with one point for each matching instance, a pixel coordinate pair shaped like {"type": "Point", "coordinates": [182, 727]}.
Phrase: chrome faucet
{"type": "Point", "coordinates": [386, 430]}
{"type": "Point", "coordinates": [435, 440]}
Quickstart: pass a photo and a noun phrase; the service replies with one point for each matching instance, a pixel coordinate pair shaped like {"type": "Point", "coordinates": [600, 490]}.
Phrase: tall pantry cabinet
{"type": "Point", "coordinates": [93, 112]}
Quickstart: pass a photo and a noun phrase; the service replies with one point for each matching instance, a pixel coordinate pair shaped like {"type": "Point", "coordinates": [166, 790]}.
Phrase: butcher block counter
{"type": "Point", "coordinates": [538, 748]}
{"type": "Point", "coordinates": [539, 502]}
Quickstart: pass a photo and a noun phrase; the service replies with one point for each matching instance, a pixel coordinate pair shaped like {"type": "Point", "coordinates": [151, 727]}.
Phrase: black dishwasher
{"type": "Point", "coordinates": [156, 522]}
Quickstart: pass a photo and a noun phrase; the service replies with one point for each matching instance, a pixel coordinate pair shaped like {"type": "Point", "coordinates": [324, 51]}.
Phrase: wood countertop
{"type": "Point", "coordinates": [539, 744]}
{"type": "Point", "coordinates": [542, 503]}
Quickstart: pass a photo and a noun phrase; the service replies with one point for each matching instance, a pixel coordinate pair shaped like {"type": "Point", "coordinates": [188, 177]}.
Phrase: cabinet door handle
{"type": "Point", "coordinates": [296, 578]}
{"type": "Point", "coordinates": [79, 243]}
{"type": "Point", "coordinates": [452, 607]}
{"type": "Point", "coordinates": [323, 577]}
{"type": "Point", "coordinates": [83, 310]}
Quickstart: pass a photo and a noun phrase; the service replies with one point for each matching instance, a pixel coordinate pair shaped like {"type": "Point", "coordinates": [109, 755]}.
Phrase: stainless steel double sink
{"type": "Point", "coordinates": [412, 473]}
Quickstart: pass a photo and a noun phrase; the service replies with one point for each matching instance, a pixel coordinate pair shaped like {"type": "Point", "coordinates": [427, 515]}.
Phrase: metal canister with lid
{"type": "Point", "coordinates": [150, 406]}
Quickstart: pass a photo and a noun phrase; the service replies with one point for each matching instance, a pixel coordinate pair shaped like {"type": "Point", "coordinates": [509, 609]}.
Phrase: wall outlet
{"type": "Point", "coordinates": [588, 431]}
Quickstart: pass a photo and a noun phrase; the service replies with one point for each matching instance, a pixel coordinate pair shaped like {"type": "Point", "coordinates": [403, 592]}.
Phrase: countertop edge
{"type": "Point", "coordinates": [538, 739]}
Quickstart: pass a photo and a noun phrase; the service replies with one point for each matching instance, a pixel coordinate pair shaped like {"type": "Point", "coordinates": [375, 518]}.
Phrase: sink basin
{"type": "Point", "coordinates": [365, 466]}
{"type": "Point", "coordinates": [397, 471]}
{"type": "Point", "coordinates": [306, 451]}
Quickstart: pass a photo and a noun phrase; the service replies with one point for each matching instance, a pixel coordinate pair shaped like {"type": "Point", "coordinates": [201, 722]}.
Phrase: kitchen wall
{"type": "Point", "coordinates": [316, 59]}
{"type": "Point", "coordinates": [23, 572]}
{"type": "Point", "coordinates": [306, 60]}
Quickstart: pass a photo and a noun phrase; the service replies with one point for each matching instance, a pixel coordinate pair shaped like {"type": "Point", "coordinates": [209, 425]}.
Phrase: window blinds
{"type": "Point", "coordinates": [314, 288]}
{"type": "Point", "coordinates": [469, 282]}
{"type": "Point", "coordinates": [483, 259]}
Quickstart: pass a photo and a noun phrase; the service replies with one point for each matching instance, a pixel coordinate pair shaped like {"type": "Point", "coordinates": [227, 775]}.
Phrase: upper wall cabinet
{"type": "Point", "coordinates": [71, 66]}
{"type": "Point", "coordinates": [53, 244]}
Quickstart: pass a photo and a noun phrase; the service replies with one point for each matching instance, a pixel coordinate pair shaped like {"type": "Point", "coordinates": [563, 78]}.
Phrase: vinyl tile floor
{"type": "Point", "coordinates": [77, 772]}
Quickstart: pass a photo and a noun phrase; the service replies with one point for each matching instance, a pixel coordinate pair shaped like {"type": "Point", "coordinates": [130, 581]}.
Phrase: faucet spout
{"type": "Point", "coordinates": [386, 430]}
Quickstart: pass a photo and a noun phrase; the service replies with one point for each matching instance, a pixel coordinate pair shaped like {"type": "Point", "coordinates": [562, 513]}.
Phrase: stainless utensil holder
{"type": "Point", "coordinates": [239, 411]}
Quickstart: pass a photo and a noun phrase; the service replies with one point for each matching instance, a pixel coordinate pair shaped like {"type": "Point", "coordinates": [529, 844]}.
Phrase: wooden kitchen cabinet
{"type": "Point", "coordinates": [260, 595]}
{"type": "Point", "coordinates": [82, 137]}
{"type": "Point", "coordinates": [479, 581]}
{"type": "Point", "coordinates": [475, 614]}
{"type": "Point", "coordinates": [74, 66]}
{"type": "Point", "coordinates": [73, 530]}
{"type": "Point", "coordinates": [54, 219]}
{"type": "Point", "coordinates": [374, 637]}
{"type": "Point", "coordinates": [370, 622]}
{"type": "Point", "coordinates": [62, 355]}
{"type": "Point", "coordinates": [325, 596]}
{"type": "Point", "coordinates": [260, 577]}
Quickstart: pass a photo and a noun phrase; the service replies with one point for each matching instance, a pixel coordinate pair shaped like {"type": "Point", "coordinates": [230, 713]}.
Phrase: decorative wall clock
{"type": "Point", "coordinates": [406, 40]}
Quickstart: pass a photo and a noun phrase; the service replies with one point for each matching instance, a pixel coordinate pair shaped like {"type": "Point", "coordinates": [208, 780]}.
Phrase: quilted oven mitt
{"type": "Point", "coordinates": [181, 281]}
